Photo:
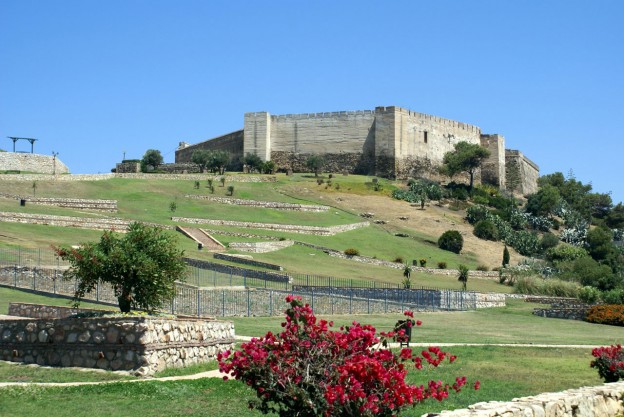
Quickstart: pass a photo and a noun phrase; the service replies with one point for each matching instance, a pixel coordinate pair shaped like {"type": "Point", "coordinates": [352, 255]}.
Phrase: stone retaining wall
{"type": "Point", "coordinates": [489, 300]}
{"type": "Point", "coordinates": [562, 313]}
{"type": "Point", "coordinates": [599, 401]}
{"type": "Point", "coordinates": [139, 176]}
{"type": "Point", "coordinates": [310, 230]}
{"type": "Point", "coordinates": [261, 247]}
{"type": "Point", "coordinates": [76, 203]}
{"type": "Point", "coordinates": [264, 204]}
{"type": "Point", "coordinates": [228, 269]}
{"type": "Point", "coordinates": [39, 311]}
{"type": "Point", "coordinates": [143, 345]}
{"type": "Point", "coordinates": [246, 261]}
{"type": "Point", "coordinates": [96, 223]}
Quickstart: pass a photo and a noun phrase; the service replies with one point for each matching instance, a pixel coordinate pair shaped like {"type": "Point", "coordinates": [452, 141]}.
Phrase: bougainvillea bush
{"type": "Point", "coordinates": [310, 370]}
{"type": "Point", "coordinates": [609, 362]}
{"type": "Point", "coordinates": [612, 314]}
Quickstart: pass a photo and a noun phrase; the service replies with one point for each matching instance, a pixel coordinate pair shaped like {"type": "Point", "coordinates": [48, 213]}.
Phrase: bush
{"type": "Point", "coordinates": [352, 252]}
{"type": "Point", "coordinates": [398, 259]}
{"type": "Point", "coordinates": [526, 243]}
{"type": "Point", "coordinates": [483, 268]}
{"type": "Point", "coordinates": [550, 287]}
{"type": "Point", "coordinates": [485, 229]}
{"type": "Point", "coordinates": [309, 370]}
{"type": "Point", "coordinates": [548, 241]}
{"type": "Point", "coordinates": [565, 252]}
{"type": "Point", "coordinates": [423, 262]}
{"type": "Point", "coordinates": [230, 190]}
{"type": "Point", "coordinates": [610, 362]}
{"type": "Point", "coordinates": [463, 275]}
{"type": "Point", "coordinates": [613, 296]}
{"type": "Point", "coordinates": [589, 295]}
{"type": "Point", "coordinates": [441, 265]}
{"type": "Point", "coordinates": [452, 241]}
{"type": "Point", "coordinates": [477, 213]}
{"type": "Point", "coordinates": [506, 257]}
{"type": "Point", "coordinates": [612, 314]}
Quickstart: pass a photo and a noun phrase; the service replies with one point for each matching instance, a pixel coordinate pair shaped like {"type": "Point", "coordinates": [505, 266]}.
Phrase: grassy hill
{"type": "Point", "coordinates": [348, 196]}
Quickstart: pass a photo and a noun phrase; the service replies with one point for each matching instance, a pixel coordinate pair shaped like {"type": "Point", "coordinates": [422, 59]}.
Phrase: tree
{"type": "Point", "coordinates": [218, 161]}
{"type": "Point", "coordinates": [152, 158]}
{"type": "Point", "coordinates": [407, 272]}
{"type": "Point", "coordinates": [451, 240]}
{"type": "Point", "coordinates": [615, 218]}
{"type": "Point", "coordinates": [142, 266]}
{"type": "Point", "coordinates": [463, 275]}
{"type": "Point", "coordinates": [201, 157]}
{"type": "Point", "coordinates": [467, 157]}
{"type": "Point", "coordinates": [315, 163]}
{"type": "Point", "coordinates": [268, 167]}
{"type": "Point", "coordinates": [253, 161]}
{"type": "Point", "coordinates": [599, 243]}
{"type": "Point", "coordinates": [543, 202]}
{"type": "Point", "coordinates": [506, 257]}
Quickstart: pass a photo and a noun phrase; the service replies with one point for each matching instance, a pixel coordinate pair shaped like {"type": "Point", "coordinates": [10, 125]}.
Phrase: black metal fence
{"type": "Point", "coordinates": [215, 293]}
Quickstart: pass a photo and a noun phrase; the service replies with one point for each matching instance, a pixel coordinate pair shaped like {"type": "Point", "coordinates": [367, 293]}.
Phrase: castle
{"type": "Point", "coordinates": [388, 141]}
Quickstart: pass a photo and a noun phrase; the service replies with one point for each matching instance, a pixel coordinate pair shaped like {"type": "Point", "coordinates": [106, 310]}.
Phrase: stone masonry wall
{"type": "Point", "coordinates": [139, 176]}
{"type": "Point", "coordinates": [312, 230]}
{"type": "Point", "coordinates": [140, 344]}
{"type": "Point", "coordinates": [232, 143]}
{"type": "Point", "coordinates": [247, 261]}
{"type": "Point", "coordinates": [77, 203]}
{"type": "Point", "coordinates": [264, 204]}
{"type": "Point", "coordinates": [228, 269]}
{"type": "Point", "coordinates": [528, 170]}
{"type": "Point", "coordinates": [40, 311]}
{"type": "Point", "coordinates": [32, 162]}
{"type": "Point", "coordinates": [599, 401]}
{"type": "Point", "coordinates": [261, 247]}
{"type": "Point", "coordinates": [493, 168]}
{"type": "Point", "coordinates": [95, 223]}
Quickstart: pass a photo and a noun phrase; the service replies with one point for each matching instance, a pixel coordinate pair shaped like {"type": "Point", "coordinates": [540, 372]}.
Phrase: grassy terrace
{"type": "Point", "coordinates": [505, 372]}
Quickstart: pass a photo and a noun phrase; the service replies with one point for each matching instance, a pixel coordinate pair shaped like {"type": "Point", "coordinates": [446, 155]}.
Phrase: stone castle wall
{"type": "Point", "coordinates": [493, 169]}
{"type": "Point", "coordinates": [31, 162]}
{"type": "Point", "coordinates": [232, 143]}
{"type": "Point", "coordinates": [529, 171]}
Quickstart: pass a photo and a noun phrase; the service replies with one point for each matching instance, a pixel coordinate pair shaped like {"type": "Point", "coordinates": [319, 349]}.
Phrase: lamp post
{"type": "Point", "coordinates": [54, 162]}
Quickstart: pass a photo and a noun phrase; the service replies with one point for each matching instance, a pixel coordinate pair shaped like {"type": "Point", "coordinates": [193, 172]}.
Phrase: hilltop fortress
{"type": "Point", "coordinates": [388, 141]}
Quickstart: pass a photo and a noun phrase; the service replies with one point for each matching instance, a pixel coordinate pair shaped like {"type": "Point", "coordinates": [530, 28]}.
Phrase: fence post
{"type": "Point", "coordinates": [368, 303]}
{"type": "Point", "coordinates": [248, 302]}
{"type": "Point", "coordinates": [331, 300]}
{"type": "Point", "coordinates": [97, 291]}
{"type": "Point", "coordinates": [386, 300]}
{"type": "Point", "coordinates": [270, 303]}
{"type": "Point", "coordinates": [15, 276]}
{"type": "Point", "coordinates": [198, 303]}
{"type": "Point", "coordinates": [222, 303]}
{"type": "Point", "coordinates": [351, 301]}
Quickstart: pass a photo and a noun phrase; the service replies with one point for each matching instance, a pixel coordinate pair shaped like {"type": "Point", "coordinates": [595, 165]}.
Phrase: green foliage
{"type": "Point", "coordinates": [467, 157]}
{"type": "Point", "coordinates": [525, 243]}
{"type": "Point", "coordinates": [544, 202]}
{"type": "Point", "coordinates": [485, 229]}
{"type": "Point", "coordinates": [615, 296]}
{"type": "Point", "coordinates": [420, 191]}
{"type": "Point", "coordinates": [463, 275]}
{"type": "Point", "coordinates": [506, 257]}
{"type": "Point", "coordinates": [352, 252]}
{"type": "Point", "coordinates": [269, 167]}
{"type": "Point", "coordinates": [141, 265]}
{"type": "Point", "coordinates": [589, 272]}
{"type": "Point", "coordinates": [315, 163]}
{"type": "Point", "coordinates": [615, 218]}
{"type": "Point", "coordinates": [589, 295]}
{"type": "Point", "coordinates": [548, 241]}
{"type": "Point", "coordinates": [565, 252]}
{"type": "Point", "coordinates": [230, 190]}
{"type": "Point", "coordinates": [422, 262]}
{"type": "Point", "coordinates": [599, 243]}
{"type": "Point", "coordinates": [451, 240]}
{"type": "Point", "coordinates": [253, 162]}
{"type": "Point", "coordinates": [213, 161]}
{"type": "Point", "coordinates": [173, 206]}
{"type": "Point", "coordinates": [477, 213]}
{"type": "Point", "coordinates": [151, 160]}
{"type": "Point", "coordinates": [407, 272]}
{"type": "Point", "coordinates": [441, 265]}
{"type": "Point", "coordinates": [483, 268]}
{"type": "Point", "coordinates": [550, 287]}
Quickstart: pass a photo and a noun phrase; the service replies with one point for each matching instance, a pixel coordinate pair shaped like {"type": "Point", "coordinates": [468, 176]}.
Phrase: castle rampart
{"type": "Point", "coordinates": [389, 141]}
{"type": "Point", "coordinates": [32, 162]}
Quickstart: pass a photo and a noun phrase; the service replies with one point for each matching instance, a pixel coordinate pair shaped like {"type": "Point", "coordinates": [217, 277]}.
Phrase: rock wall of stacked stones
{"type": "Point", "coordinates": [228, 269]}
{"type": "Point", "coordinates": [40, 311]}
{"type": "Point", "coordinates": [261, 247]}
{"type": "Point", "coordinates": [247, 261]}
{"type": "Point", "coordinates": [264, 204]}
{"type": "Point", "coordinates": [32, 162]}
{"type": "Point", "coordinates": [139, 344]}
{"type": "Point", "coordinates": [599, 401]}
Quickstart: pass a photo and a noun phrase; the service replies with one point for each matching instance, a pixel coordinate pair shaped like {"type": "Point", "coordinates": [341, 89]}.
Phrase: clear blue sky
{"type": "Point", "coordinates": [92, 79]}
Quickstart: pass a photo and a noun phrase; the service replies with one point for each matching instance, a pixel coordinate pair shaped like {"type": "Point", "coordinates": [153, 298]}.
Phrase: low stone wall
{"type": "Point", "coordinates": [138, 176]}
{"type": "Point", "coordinates": [247, 261]}
{"type": "Point", "coordinates": [33, 162]}
{"type": "Point", "coordinates": [143, 345]}
{"type": "Point", "coordinates": [562, 313]}
{"type": "Point", "coordinates": [264, 204]}
{"type": "Point", "coordinates": [76, 203]}
{"type": "Point", "coordinates": [95, 223]}
{"type": "Point", "coordinates": [290, 228]}
{"type": "Point", "coordinates": [261, 247]}
{"type": "Point", "coordinates": [39, 311]}
{"type": "Point", "coordinates": [489, 300]}
{"type": "Point", "coordinates": [228, 269]}
{"type": "Point", "coordinates": [599, 401]}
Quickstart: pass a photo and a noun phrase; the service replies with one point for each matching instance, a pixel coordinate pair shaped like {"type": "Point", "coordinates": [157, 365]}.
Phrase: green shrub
{"type": "Point", "coordinates": [613, 296]}
{"type": "Point", "coordinates": [549, 287]}
{"type": "Point", "coordinates": [525, 243]}
{"type": "Point", "coordinates": [398, 259]}
{"type": "Point", "coordinates": [441, 265]}
{"type": "Point", "coordinates": [352, 252]}
{"type": "Point", "coordinates": [589, 295]}
{"type": "Point", "coordinates": [423, 262]}
{"type": "Point", "coordinates": [565, 252]}
{"type": "Point", "coordinates": [452, 241]}
{"type": "Point", "coordinates": [477, 213]}
{"type": "Point", "coordinates": [506, 257]}
{"type": "Point", "coordinates": [548, 241]}
{"type": "Point", "coordinates": [485, 229]}
{"type": "Point", "coordinates": [483, 268]}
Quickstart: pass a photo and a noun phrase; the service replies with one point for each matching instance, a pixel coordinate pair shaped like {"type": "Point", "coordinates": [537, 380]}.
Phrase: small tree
{"type": "Point", "coordinates": [467, 157]}
{"type": "Point", "coordinates": [142, 266]}
{"type": "Point", "coordinates": [253, 162]}
{"type": "Point", "coordinates": [222, 181]}
{"type": "Point", "coordinates": [152, 158]}
{"type": "Point", "coordinates": [268, 167]}
{"type": "Point", "coordinates": [407, 272]}
{"type": "Point", "coordinates": [201, 157]}
{"type": "Point", "coordinates": [218, 161]}
{"type": "Point", "coordinates": [315, 163]}
{"type": "Point", "coordinates": [463, 275]}
{"type": "Point", "coordinates": [34, 187]}
{"type": "Point", "coordinates": [230, 190]}
{"type": "Point", "coordinates": [505, 257]}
